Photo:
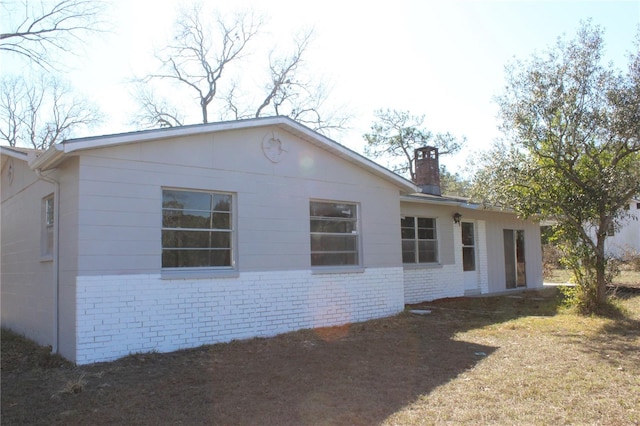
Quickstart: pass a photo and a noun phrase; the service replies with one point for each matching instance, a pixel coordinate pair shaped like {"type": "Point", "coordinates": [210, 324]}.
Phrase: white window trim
{"type": "Point", "coordinates": [416, 263]}
{"type": "Point", "coordinates": [337, 269]}
{"type": "Point", "coordinates": [203, 272]}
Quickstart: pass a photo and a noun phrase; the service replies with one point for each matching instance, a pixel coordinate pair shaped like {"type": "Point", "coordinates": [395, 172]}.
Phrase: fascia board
{"type": "Point", "coordinates": [19, 155]}
{"type": "Point", "coordinates": [54, 154]}
{"type": "Point", "coordinates": [167, 133]}
{"type": "Point", "coordinates": [418, 200]}
{"type": "Point", "coordinates": [448, 202]}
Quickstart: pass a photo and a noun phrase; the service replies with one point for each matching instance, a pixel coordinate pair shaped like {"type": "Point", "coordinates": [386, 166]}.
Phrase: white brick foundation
{"type": "Point", "coordinates": [426, 284]}
{"type": "Point", "coordinates": [122, 314]}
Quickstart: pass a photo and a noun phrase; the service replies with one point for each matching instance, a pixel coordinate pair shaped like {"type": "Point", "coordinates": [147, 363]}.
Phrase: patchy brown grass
{"type": "Point", "coordinates": [517, 359]}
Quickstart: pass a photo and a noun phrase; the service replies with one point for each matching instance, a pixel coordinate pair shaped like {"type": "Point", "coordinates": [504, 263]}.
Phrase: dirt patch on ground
{"type": "Point", "coordinates": [357, 374]}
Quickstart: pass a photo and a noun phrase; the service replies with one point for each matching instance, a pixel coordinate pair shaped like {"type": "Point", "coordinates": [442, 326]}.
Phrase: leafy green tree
{"type": "Point", "coordinates": [454, 184]}
{"type": "Point", "coordinates": [396, 134]}
{"type": "Point", "coordinates": [573, 126]}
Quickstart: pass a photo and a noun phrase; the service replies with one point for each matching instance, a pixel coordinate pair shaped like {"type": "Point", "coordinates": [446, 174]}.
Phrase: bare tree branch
{"type": "Point", "coordinates": [202, 60]}
{"type": "Point", "coordinates": [152, 111]}
{"type": "Point", "coordinates": [10, 121]}
{"type": "Point", "coordinates": [283, 74]}
{"type": "Point", "coordinates": [45, 27]}
{"type": "Point", "coordinates": [195, 62]}
{"type": "Point", "coordinates": [43, 113]}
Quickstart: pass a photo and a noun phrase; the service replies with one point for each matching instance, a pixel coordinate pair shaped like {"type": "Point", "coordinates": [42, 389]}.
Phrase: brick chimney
{"type": "Point", "coordinates": [427, 170]}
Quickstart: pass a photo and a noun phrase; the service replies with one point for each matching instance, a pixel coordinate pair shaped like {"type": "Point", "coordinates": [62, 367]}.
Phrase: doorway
{"type": "Point", "coordinates": [514, 259]}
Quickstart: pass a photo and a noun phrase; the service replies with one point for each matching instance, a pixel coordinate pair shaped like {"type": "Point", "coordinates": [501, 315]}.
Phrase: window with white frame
{"type": "Point", "coordinates": [48, 214]}
{"type": "Point", "coordinates": [419, 240]}
{"type": "Point", "coordinates": [197, 229]}
{"type": "Point", "coordinates": [334, 233]}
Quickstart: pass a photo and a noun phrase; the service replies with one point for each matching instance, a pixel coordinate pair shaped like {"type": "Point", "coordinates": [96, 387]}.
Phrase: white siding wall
{"type": "Point", "coordinates": [124, 314]}
{"type": "Point", "coordinates": [27, 278]}
{"type": "Point", "coordinates": [68, 260]}
{"type": "Point", "coordinates": [496, 224]}
{"type": "Point", "coordinates": [120, 209]}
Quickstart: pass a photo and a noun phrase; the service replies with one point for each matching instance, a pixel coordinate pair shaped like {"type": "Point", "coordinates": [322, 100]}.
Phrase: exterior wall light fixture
{"type": "Point", "coordinates": [456, 217]}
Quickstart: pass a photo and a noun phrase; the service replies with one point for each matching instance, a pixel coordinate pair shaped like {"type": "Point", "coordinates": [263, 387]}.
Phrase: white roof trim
{"type": "Point", "coordinates": [165, 133]}
{"type": "Point", "coordinates": [56, 153]}
{"type": "Point", "coordinates": [48, 159]}
{"type": "Point", "coordinates": [8, 151]}
{"type": "Point", "coordinates": [417, 198]}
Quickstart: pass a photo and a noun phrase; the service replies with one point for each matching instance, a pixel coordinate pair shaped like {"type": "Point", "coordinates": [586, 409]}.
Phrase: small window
{"type": "Point", "coordinates": [611, 230]}
{"type": "Point", "coordinates": [334, 233]}
{"type": "Point", "coordinates": [419, 242]}
{"type": "Point", "coordinates": [197, 229]}
{"type": "Point", "coordinates": [47, 225]}
{"type": "Point", "coordinates": [638, 206]}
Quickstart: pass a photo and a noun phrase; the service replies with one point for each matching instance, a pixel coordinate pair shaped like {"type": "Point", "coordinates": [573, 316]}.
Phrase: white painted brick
{"type": "Point", "coordinates": [424, 284]}
{"type": "Point", "coordinates": [144, 312]}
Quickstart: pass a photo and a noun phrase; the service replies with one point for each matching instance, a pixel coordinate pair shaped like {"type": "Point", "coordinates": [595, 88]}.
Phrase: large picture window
{"type": "Point", "coordinates": [334, 233]}
{"type": "Point", "coordinates": [197, 229]}
{"type": "Point", "coordinates": [419, 242]}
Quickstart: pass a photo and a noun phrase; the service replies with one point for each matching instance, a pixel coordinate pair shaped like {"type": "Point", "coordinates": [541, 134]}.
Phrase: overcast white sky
{"type": "Point", "coordinates": [444, 59]}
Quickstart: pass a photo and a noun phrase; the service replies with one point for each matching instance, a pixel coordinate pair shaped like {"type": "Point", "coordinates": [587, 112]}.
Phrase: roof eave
{"type": "Point", "coordinates": [457, 203]}
{"type": "Point", "coordinates": [56, 153]}
{"type": "Point", "coordinates": [5, 150]}
{"type": "Point", "coordinates": [165, 133]}
{"type": "Point", "coordinates": [48, 159]}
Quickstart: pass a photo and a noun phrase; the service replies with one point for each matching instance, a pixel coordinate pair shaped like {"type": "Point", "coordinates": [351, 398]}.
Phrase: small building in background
{"type": "Point", "coordinates": [624, 240]}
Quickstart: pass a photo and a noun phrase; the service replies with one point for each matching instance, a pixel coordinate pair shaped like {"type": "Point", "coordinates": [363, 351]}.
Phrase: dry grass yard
{"type": "Point", "coordinates": [517, 359]}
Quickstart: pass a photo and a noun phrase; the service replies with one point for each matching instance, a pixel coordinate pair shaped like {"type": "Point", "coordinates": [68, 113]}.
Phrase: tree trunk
{"type": "Point", "coordinates": [601, 290]}
{"type": "Point", "coordinates": [205, 118]}
{"type": "Point", "coordinates": [601, 265]}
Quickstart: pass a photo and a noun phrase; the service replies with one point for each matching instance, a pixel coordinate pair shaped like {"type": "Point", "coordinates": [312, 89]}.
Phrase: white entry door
{"type": "Point", "coordinates": [469, 257]}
